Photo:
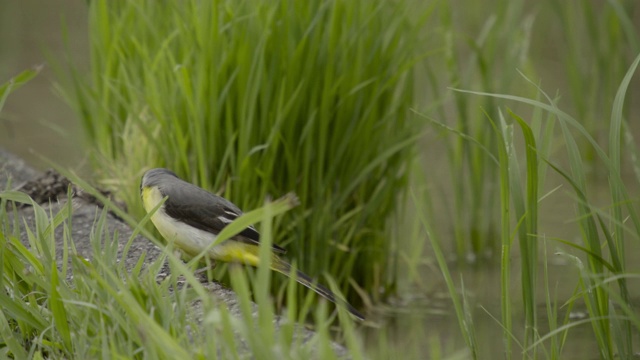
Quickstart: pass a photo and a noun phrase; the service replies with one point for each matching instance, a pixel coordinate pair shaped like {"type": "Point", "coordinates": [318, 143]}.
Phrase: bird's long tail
{"type": "Point", "coordinates": [285, 268]}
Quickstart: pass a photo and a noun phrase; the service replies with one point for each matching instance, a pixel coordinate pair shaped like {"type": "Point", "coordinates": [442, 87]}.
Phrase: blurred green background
{"type": "Point", "coordinates": [35, 118]}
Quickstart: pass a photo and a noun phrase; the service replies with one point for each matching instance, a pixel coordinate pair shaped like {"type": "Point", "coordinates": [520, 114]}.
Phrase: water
{"type": "Point", "coordinates": [36, 122]}
{"type": "Point", "coordinates": [430, 322]}
{"type": "Point", "coordinates": [431, 312]}
{"type": "Point", "coordinates": [425, 318]}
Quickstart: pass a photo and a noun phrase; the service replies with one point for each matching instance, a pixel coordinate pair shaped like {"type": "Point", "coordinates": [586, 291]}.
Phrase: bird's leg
{"type": "Point", "coordinates": [210, 265]}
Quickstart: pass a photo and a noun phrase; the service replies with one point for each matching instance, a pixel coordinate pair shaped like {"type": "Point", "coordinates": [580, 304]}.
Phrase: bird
{"type": "Point", "coordinates": [192, 217]}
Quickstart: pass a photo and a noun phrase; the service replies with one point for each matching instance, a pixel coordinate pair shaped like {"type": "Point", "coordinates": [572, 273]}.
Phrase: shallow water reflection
{"type": "Point", "coordinates": [427, 326]}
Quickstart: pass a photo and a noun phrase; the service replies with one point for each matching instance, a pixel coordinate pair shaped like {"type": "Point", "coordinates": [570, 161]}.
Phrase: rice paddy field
{"type": "Point", "coordinates": [467, 172]}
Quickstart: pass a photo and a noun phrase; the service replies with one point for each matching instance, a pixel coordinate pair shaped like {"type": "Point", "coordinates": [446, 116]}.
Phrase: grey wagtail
{"type": "Point", "coordinates": [192, 217]}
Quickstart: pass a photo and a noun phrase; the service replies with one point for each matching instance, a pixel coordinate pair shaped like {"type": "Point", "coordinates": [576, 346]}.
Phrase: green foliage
{"type": "Point", "coordinates": [590, 34]}
{"type": "Point", "coordinates": [513, 154]}
{"type": "Point", "coordinates": [256, 99]}
{"type": "Point", "coordinates": [15, 83]}
{"type": "Point", "coordinates": [106, 311]}
{"type": "Point", "coordinates": [483, 48]}
{"type": "Point", "coordinates": [460, 304]}
{"type": "Point", "coordinates": [603, 279]}
{"type": "Point", "coordinates": [252, 99]}
{"type": "Point", "coordinates": [477, 50]}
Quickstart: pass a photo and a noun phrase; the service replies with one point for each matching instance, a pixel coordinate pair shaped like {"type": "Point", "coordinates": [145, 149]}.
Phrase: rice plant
{"type": "Point", "coordinates": [602, 285]}
{"type": "Point", "coordinates": [254, 99]}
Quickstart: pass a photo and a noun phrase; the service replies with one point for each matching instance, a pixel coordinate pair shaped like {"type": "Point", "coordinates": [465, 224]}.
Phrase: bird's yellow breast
{"type": "Point", "coordinates": [151, 197]}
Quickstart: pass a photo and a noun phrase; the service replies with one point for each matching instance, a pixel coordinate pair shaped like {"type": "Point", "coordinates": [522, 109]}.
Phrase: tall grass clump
{"type": "Point", "coordinates": [589, 35]}
{"type": "Point", "coordinates": [253, 99]}
{"type": "Point", "coordinates": [603, 282]}
{"type": "Point", "coordinates": [499, 160]}
{"type": "Point", "coordinates": [477, 49]}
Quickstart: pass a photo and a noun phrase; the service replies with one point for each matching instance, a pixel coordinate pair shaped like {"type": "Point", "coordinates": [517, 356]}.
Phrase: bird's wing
{"type": "Point", "coordinates": [208, 212]}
